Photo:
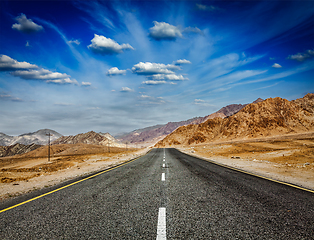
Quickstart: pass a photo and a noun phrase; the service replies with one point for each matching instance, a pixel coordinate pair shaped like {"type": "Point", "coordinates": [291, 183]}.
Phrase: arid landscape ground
{"type": "Point", "coordinates": [272, 138]}
{"type": "Point", "coordinates": [288, 158]}
{"type": "Point", "coordinates": [23, 173]}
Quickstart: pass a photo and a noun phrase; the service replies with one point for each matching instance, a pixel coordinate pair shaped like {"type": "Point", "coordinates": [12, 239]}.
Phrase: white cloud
{"type": "Point", "coordinates": [181, 61]}
{"type": "Point", "coordinates": [26, 25]}
{"type": "Point", "coordinates": [154, 82]}
{"type": "Point", "coordinates": [201, 102]}
{"type": "Point", "coordinates": [10, 64]}
{"type": "Point", "coordinates": [302, 56]}
{"type": "Point", "coordinates": [86, 84]}
{"type": "Point", "coordinates": [173, 77]}
{"type": "Point", "coordinates": [115, 71]}
{"type": "Point", "coordinates": [210, 8]}
{"type": "Point", "coordinates": [8, 97]}
{"type": "Point", "coordinates": [149, 68]}
{"type": "Point", "coordinates": [193, 30]}
{"type": "Point", "coordinates": [77, 42]}
{"type": "Point", "coordinates": [63, 81]}
{"type": "Point", "coordinates": [29, 71]}
{"type": "Point", "coordinates": [164, 31]}
{"type": "Point", "coordinates": [104, 46]}
{"type": "Point", "coordinates": [276, 65]}
{"type": "Point", "coordinates": [196, 101]}
{"type": "Point", "coordinates": [152, 100]}
{"type": "Point", "coordinates": [41, 74]}
{"type": "Point", "coordinates": [126, 89]}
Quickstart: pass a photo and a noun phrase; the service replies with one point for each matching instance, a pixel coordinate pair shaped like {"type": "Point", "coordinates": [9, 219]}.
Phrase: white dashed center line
{"type": "Point", "coordinates": [161, 226]}
{"type": "Point", "coordinates": [163, 177]}
{"type": "Point", "coordinates": [164, 165]}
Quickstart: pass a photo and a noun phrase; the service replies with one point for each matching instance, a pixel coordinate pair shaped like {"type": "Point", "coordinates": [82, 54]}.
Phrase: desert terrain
{"type": "Point", "coordinates": [288, 158]}
{"type": "Point", "coordinates": [272, 138]}
{"type": "Point", "coordinates": [31, 171]}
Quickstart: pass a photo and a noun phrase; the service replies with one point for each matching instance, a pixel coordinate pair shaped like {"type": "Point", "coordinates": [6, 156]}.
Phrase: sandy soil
{"type": "Point", "coordinates": [19, 175]}
{"type": "Point", "coordinates": [285, 158]}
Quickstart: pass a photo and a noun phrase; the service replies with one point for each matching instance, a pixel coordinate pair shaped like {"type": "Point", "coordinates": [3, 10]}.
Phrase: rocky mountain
{"type": "Point", "coordinates": [17, 148]}
{"type": "Point", "coordinates": [226, 111]}
{"type": "Point", "coordinates": [39, 138]}
{"type": "Point", "coordinates": [89, 138]}
{"type": "Point", "coordinates": [153, 134]}
{"type": "Point", "coordinates": [274, 116]}
{"type": "Point", "coordinates": [157, 132]}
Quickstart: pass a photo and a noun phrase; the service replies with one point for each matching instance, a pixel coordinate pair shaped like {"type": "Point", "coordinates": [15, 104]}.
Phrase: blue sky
{"type": "Point", "coordinates": [115, 66]}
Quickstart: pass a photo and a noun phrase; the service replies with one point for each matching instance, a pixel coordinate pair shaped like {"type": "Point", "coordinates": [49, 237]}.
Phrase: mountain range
{"type": "Point", "coordinates": [236, 121]}
{"type": "Point", "coordinates": [39, 138]}
{"type": "Point", "coordinates": [273, 116]}
{"type": "Point", "coordinates": [90, 138]}
{"type": "Point", "coordinates": [156, 133]}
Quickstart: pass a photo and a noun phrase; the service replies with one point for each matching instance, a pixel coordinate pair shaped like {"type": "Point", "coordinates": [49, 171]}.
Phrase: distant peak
{"type": "Point", "coordinates": [258, 100]}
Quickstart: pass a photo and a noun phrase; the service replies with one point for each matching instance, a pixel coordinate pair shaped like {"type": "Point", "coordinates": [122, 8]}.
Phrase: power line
{"type": "Point", "coordinates": [49, 135]}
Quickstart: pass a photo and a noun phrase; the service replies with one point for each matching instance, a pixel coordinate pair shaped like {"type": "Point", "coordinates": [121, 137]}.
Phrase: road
{"type": "Point", "coordinates": [164, 194]}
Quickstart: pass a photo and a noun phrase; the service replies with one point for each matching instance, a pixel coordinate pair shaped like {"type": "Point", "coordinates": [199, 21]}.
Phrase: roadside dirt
{"type": "Point", "coordinates": [28, 172]}
{"type": "Point", "coordinates": [287, 158]}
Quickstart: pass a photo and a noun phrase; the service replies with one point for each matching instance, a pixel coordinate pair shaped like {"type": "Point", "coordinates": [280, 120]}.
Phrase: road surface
{"type": "Point", "coordinates": [164, 195]}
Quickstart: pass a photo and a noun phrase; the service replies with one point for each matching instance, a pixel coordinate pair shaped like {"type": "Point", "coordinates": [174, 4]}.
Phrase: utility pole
{"type": "Point", "coordinates": [49, 135]}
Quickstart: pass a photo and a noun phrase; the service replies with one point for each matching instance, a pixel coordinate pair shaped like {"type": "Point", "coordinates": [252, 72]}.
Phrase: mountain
{"type": "Point", "coordinates": [226, 111]}
{"type": "Point", "coordinates": [89, 138]}
{"type": "Point", "coordinates": [274, 116]}
{"type": "Point", "coordinates": [127, 136]}
{"type": "Point", "coordinates": [154, 133]}
{"type": "Point", "coordinates": [39, 138]}
{"type": "Point", "coordinates": [17, 148]}
{"type": "Point", "coordinates": [157, 132]}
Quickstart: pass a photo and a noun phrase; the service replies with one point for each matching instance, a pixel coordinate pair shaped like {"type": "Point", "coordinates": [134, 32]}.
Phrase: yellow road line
{"type": "Point", "coordinates": [71, 184]}
{"type": "Point", "coordinates": [253, 174]}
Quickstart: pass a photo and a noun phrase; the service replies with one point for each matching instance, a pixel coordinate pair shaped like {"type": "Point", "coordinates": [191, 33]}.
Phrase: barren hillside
{"type": "Point", "coordinates": [17, 148]}
{"type": "Point", "coordinates": [274, 116]}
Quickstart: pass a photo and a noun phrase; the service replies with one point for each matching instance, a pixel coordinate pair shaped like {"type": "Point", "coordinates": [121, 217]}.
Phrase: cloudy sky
{"type": "Point", "coordinates": [115, 66]}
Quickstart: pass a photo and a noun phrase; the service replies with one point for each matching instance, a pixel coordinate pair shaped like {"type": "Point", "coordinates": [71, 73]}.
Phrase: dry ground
{"type": "Point", "coordinates": [31, 171]}
{"type": "Point", "coordinates": [287, 158]}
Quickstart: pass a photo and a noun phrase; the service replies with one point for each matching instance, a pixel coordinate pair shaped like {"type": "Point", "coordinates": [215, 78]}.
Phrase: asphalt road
{"type": "Point", "coordinates": [186, 198]}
